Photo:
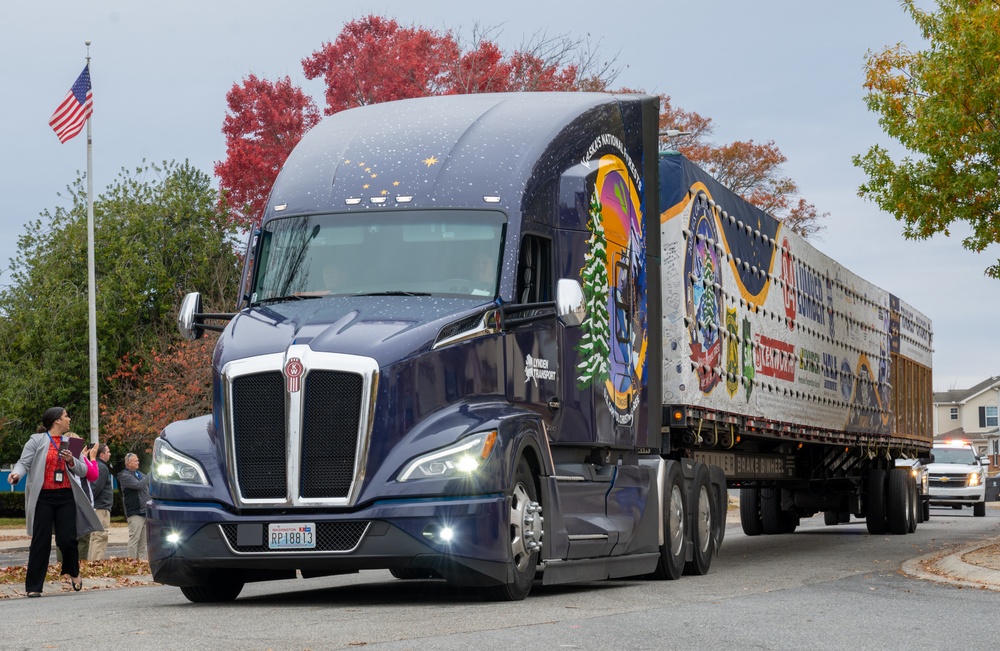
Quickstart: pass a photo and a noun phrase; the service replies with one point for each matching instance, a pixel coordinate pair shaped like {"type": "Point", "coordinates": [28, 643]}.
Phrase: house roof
{"type": "Point", "coordinates": [959, 396]}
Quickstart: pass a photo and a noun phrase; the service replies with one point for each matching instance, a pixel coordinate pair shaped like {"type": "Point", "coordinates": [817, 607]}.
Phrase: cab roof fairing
{"type": "Point", "coordinates": [442, 152]}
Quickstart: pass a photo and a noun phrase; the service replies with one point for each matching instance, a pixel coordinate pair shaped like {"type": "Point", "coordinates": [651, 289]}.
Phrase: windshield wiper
{"type": "Point", "coordinates": [290, 297]}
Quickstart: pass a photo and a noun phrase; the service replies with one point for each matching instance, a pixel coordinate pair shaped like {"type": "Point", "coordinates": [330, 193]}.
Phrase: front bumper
{"type": "Point", "coordinates": [207, 539]}
{"type": "Point", "coordinates": [957, 495]}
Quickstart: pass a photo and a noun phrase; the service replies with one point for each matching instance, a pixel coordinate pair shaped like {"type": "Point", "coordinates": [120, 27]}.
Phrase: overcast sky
{"type": "Point", "coordinates": [790, 71]}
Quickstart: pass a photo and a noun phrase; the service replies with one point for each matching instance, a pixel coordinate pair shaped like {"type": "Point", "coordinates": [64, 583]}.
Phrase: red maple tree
{"type": "Point", "coordinates": [751, 170]}
{"type": "Point", "coordinates": [265, 121]}
{"type": "Point", "coordinates": [155, 389]}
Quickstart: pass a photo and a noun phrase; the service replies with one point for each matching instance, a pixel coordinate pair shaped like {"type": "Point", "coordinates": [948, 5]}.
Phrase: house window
{"type": "Point", "coordinates": [953, 412]}
{"type": "Point", "coordinates": [991, 417]}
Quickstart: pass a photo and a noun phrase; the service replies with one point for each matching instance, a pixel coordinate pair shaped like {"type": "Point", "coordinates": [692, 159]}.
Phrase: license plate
{"type": "Point", "coordinates": [295, 535]}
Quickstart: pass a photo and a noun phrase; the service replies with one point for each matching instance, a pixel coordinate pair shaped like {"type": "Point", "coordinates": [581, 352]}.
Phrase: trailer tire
{"type": "Point", "coordinates": [979, 509]}
{"type": "Point", "coordinates": [772, 519]}
{"type": "Point", "coordinates": [220, 588]}
{"type": "Point", "coordinates": [750, 511]}
{"type": "Point", "coordinates": [914, 517]}
{"type": "Point", "coordinates": [898, 502]}
{"type": "Point", "coordinates": [875, 501]}
{"type": "Point", "coordinates": [673, 551]}
{"type": "Point", "coordinates": [704, 514]}
{"type": "Point", "coordinates": [525, 528]}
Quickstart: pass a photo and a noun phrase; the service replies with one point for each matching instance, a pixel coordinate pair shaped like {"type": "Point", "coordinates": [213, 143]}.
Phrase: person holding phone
{"type": "Point", "coordinates": [53, 499]}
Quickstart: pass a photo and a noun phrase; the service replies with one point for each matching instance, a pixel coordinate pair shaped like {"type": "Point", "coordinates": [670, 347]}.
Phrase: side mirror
{"type": "Point", "coordinates": [186, 323]}
{"type": "Point", "coordinates": [570, 307]}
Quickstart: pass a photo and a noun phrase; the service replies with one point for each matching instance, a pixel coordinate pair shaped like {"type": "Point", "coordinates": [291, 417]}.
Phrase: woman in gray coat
{"type": "Point", "coordinates": [53, 499]}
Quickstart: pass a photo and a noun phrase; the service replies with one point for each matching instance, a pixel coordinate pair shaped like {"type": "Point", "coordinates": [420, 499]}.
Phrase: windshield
{"type": "Point", "coordinates": [454, 252]}
{"type": "Point", "coordinates": [953, 455]}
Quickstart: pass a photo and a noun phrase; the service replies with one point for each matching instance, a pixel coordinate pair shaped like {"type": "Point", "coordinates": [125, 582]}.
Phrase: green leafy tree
{"type": "Point", "coordinates": [158, 235]}
{"type": "Point", "coordinates": [940, 104]}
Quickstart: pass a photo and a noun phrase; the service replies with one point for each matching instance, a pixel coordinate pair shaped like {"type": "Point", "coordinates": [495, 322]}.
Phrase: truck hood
{"type": "Point", "coordinates": [385, 328]}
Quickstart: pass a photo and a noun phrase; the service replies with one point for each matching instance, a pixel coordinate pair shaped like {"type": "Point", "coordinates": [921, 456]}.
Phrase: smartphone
{"type": "Point", "coordinates": [64, 445]}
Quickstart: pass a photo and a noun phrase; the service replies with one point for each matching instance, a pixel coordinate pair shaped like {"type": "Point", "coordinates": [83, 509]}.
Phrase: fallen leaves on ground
{"type": "Point", "coordinates": [110, 568]}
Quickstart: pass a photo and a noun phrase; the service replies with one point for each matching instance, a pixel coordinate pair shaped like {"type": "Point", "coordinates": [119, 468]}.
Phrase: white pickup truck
{"type": "Point", "coordinates": [957, 477]}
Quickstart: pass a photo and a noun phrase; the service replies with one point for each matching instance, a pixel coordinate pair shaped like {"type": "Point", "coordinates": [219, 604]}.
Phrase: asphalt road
{"type": "Point", "coordinates": [819, 588]}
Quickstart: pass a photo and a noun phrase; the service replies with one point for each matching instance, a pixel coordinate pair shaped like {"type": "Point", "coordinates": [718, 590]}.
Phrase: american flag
{"type": "Point", "coordinates": [76, 107]}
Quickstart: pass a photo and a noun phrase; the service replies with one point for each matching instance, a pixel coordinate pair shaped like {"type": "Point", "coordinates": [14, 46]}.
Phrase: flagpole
{"type": "Point", "coordinates": [91, 281]}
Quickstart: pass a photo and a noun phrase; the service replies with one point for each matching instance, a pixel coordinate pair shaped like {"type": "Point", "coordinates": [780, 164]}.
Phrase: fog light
{"type": "Point", "coordinates": [173, 538]}
{"type": "Point", "coordinates": [439, 533]}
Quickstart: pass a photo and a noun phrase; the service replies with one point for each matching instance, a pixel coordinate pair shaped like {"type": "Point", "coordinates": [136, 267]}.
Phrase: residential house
{"type": "Point", "coordinates": [972, 415]}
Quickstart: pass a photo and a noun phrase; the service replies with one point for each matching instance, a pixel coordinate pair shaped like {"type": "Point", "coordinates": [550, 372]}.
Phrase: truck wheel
{"type": "Point", "coordinates": [703, 518]}
{"type": "Point", "coordinates": [525, 538]}
{"type": "Point", "coordinates": [673, 551]}
{"type": "Point", "coordinates": [914, 517]}
{"type": "Point", "coordinates": [771, 518]}
{"type": "Point", "coordinates": [875, 501]}
{"type": "Point", "coordinates": [898, 502]}
{"type": "Point", "coordinates": [750, 511]}
{"type": "Point", "coordinates": [219, 588]}
{"type": "Point", "coordinates": [979, 509]}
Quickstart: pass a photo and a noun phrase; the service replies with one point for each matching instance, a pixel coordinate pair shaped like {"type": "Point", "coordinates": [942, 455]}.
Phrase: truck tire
{"type": "Point", "coordinates": [914, 518]}
{"type": "Point", "coordinates": [704, 514]}
{"type": "Point", "coordinates": [525, 537]}
{"type": "Point", "coordinates": [875, 501]}
{"type": "Point", "coordinates": [898, 502]}
{"type": "Point", "coordinates": [750, 511]}
{"type": "Point", "coordinates": [979, 509]}
{"type": "Point", "coordinates": [219, 588]}
{"type": "Point", "coordinates": [831, 518]}
{"type": "Point", "coordinates": [673, 551]}
{"type": "Point", "coordinates": [772, 519]}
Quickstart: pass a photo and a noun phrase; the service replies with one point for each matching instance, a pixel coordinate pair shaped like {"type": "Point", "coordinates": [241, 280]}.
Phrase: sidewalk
{"type": "Point", "coordinates": [19, 540]}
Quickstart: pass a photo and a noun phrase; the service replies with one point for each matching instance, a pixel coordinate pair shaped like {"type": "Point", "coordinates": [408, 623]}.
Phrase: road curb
{"type": "Point", "coordinates": [949, 567]}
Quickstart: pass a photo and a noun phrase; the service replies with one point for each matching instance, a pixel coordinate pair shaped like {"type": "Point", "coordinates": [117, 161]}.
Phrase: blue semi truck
{"type": "Point", "coordinates": [502, 338]}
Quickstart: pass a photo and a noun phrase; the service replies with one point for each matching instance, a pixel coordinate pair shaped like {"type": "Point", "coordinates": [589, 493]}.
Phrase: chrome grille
{"type": "Point", "coordinates": [330, 418]}
{"type": "Point", "coordinates": [298, 443]}
{"type": "Point", "coordinates": [260, 434]}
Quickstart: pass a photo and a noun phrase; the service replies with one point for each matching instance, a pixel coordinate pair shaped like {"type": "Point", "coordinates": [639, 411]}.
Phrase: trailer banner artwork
{"type": "Point", "coordinates": [704, 292]}
{"type": "Point", "coordinates": [614, 337]}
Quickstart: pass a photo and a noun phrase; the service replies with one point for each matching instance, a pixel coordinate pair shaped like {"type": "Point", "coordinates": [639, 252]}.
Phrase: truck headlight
{"type": "Point", "coordinates": [974, 479]}
{"type": "Point", "coordinates": [172, 467]}
{"type": "Point", "coordinates": [463, 458]}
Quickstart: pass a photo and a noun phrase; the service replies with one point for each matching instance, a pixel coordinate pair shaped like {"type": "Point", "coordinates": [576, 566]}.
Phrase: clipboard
{"type": "Point", "coordinates": [76, 446]}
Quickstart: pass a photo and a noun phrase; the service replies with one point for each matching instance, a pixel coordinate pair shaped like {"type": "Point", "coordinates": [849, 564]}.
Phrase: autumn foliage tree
{"type": "Point", "coordinates": [752, 170]}
{"type": "Point", "coordinates": [264, 123]}
{"type": "Point", "coordinates": [375, 59]}
{"type": "Point", "coordinates": [154, 388]}
{"type": "Point", "coordinates": [940, 104]}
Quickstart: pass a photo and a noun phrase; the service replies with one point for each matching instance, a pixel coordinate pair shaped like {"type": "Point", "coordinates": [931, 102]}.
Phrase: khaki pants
{"type": "Point", "coordinates": [137, 536]}
{"type": "Point", "coordinates": [99, 539]}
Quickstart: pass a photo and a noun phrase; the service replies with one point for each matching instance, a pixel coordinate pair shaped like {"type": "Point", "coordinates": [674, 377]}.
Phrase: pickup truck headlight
{"type": "Point", "coordinates": [172, 467]}
{"type": "Point", "coordinates": [974, 479]}
{"type": "Point", "coordinates": [463, 458]}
